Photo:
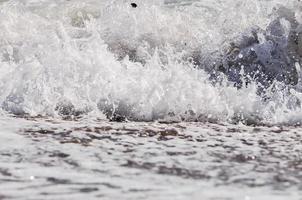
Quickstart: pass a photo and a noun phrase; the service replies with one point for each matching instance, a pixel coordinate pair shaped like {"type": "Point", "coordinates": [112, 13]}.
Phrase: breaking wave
{"type": "Point", "coordinates": [150, 62]}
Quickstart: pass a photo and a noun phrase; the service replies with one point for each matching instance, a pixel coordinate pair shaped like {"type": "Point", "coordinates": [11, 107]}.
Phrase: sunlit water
{"type": "Point", "coordinates": [69, 65]}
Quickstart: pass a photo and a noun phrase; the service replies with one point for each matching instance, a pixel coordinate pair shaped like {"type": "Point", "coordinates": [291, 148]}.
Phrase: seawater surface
{"type": "Point", "coordinates": [55, 159]}
{"type": "Point", "coordinates": [66, 66]}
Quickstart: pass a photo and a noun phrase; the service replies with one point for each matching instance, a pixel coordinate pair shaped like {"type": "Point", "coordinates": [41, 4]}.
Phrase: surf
{"type": "Point", "coordinates": [152, 62]}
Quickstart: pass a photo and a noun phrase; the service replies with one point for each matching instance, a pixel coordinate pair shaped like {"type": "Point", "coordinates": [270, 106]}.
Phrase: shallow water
{"type": "Point", "coordinates": [66, 66]}
{"type": "Point", "coordinates": [54, 159]}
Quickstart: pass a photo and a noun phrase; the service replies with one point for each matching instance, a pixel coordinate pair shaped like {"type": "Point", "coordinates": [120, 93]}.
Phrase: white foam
{"type": "Point", "coordinates": [54, 51]}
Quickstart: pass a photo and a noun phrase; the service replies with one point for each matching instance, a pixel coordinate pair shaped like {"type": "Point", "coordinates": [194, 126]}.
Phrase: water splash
{"type": "Point", "coordinates": [73, 57]}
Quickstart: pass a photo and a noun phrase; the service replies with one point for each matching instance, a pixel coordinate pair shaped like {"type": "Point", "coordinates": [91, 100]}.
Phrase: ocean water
{"type": "Point", "coordinates": [101, 100]}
